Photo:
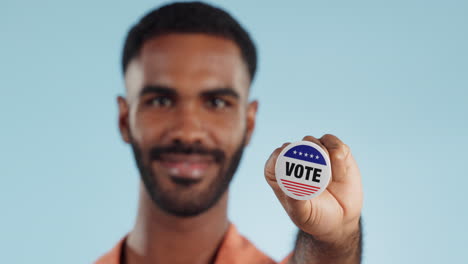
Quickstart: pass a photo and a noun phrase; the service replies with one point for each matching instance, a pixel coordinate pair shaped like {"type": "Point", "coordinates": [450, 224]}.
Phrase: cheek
{"type": "Point", "coordinates": [230, 131]}
{"type": "Point", "coordinates": [143, 127]}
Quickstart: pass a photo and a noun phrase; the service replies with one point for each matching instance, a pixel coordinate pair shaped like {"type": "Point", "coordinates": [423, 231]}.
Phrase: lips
{"type": "Point", "coordinates": [186, 166]}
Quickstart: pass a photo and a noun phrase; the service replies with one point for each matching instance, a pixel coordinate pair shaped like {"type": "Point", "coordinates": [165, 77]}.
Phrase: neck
{"type": "Point", "coordinates": [159, 237]}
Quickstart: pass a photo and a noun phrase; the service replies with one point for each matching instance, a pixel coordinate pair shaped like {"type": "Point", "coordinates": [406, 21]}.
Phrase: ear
{"type": "Point", "coordinates": [123, 119]}
{"type": "Point", "coordinates": [251, 116]}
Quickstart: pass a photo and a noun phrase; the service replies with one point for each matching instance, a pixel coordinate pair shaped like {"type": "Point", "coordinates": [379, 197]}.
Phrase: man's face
{"type": "Point", "coordinates": [188, 118]}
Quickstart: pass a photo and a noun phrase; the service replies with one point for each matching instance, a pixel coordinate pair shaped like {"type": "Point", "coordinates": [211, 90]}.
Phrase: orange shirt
{"type": "Point", "coordinates": [235, 249]}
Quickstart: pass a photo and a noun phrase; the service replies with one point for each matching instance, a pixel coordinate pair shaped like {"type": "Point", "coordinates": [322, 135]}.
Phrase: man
{"type": "Point", "coordinates": [188, 69]}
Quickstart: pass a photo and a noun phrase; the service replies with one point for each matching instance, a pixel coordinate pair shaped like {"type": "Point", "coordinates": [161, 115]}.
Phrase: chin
{"type": "Point", "coordinates": [186, 197]}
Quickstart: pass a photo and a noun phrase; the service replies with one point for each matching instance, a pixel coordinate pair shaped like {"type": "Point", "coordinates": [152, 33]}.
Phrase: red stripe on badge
{"type": "Point", "coordinates": [292, 189]}
{"type": "Point", "coordinates": [304, 193]}
{"type": "Point", "coordinates": [298, 194]}
{"type": "Point", "coordinates": [310, 187]}
{"type": "Point", "coordinates": [300, 187]}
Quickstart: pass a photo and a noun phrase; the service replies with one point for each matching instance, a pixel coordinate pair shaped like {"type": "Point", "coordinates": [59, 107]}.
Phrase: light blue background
{"type": "Point", "coordinates": [389, 78]}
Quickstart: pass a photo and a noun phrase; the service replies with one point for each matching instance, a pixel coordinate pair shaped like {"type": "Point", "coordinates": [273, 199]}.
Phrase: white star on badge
{"type": "Point", "coordinates": [306, 154]}
{"type": "Point", "coordinates": [294, 152]}
{"type": "Point", "coordinates": [300, 153]}
{"type": "Point", "coordinates": [316, 157]}
{"type": "Point", "coordinates": [311, 156]}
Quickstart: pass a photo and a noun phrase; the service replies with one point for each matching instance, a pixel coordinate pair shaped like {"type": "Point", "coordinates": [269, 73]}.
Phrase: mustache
{"type": "Point", "coordinates": [157, 152]}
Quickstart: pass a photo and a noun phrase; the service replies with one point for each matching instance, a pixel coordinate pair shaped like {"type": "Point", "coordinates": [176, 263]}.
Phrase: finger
{"type": "Point", "coordinates": [313, 139]}
{"type": "Point", "coordinates": [270, 176]}
{"type": "Point", "coordinates": [338, 153]}
{"type": "Point", "coordinates": [271, 162]}
{"type": "Point", "coordinates": [316, 141]}
{"type": "Point", "coordinates": [347, 190]}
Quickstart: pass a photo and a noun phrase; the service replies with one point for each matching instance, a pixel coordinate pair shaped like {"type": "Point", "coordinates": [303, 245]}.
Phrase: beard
{"type": "Point", "coordinates": [185, 200]}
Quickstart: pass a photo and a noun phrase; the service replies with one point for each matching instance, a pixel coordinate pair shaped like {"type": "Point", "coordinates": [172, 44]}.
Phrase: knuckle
{"type": "Point", "coordinates": [329, 137]}
{"type": "Point", "coordinates": [331, 141]}
{"type": "Point", "coordinates": [346, 148]}
{"type": "Point", "coordinates": [269, 172]}
{"type": "Point", "coordinates": [337, 150]}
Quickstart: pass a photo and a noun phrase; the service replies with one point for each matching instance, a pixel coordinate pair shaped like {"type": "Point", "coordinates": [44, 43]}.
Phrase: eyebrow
{"type": "Point", "coordinates": [227, 91]}
{"type": "Point", "coordinates": [161, 89]}
{"type": "Point", "coordinates": [158, 89]}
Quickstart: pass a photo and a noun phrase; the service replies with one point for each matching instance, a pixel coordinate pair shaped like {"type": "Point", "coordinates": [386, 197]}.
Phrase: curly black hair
{"type": "Point", "coordinates": [189, 17]}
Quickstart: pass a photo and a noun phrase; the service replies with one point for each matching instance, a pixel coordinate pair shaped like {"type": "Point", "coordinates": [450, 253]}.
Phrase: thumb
{"type": "Point", "coordinates": [293, 207]}
{"type": "Point", "coordinates": [270, 174]}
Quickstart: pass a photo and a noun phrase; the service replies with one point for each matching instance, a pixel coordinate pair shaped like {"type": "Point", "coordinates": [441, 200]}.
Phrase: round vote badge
{"type": "Point", "coordinates": [303, 170]}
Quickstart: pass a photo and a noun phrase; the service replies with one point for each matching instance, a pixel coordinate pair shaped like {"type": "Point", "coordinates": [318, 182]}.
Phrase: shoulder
{"type": "Point", "coordinates": [112, 256]}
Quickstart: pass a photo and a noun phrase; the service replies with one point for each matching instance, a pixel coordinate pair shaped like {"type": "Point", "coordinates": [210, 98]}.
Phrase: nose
{"type": "Point", "coordinates": [188, 127]}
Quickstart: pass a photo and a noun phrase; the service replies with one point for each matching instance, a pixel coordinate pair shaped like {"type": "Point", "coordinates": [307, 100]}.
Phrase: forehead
{"type": "Point", "coordinates": [188, 62]}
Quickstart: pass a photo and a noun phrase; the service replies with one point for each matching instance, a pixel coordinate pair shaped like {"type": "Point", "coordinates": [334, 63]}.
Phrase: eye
{"type": "Point", "coordinates": [217, 103]}
{"type": "Point", "coordinates": [161, 101]}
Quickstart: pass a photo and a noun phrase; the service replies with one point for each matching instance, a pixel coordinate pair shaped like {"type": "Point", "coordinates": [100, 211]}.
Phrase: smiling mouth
{"type": "Point", "coordinates": [186, 169]}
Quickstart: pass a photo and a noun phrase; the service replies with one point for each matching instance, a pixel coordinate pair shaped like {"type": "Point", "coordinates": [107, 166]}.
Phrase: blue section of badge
{"type": "Point", "coordinates": [306, 153]}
